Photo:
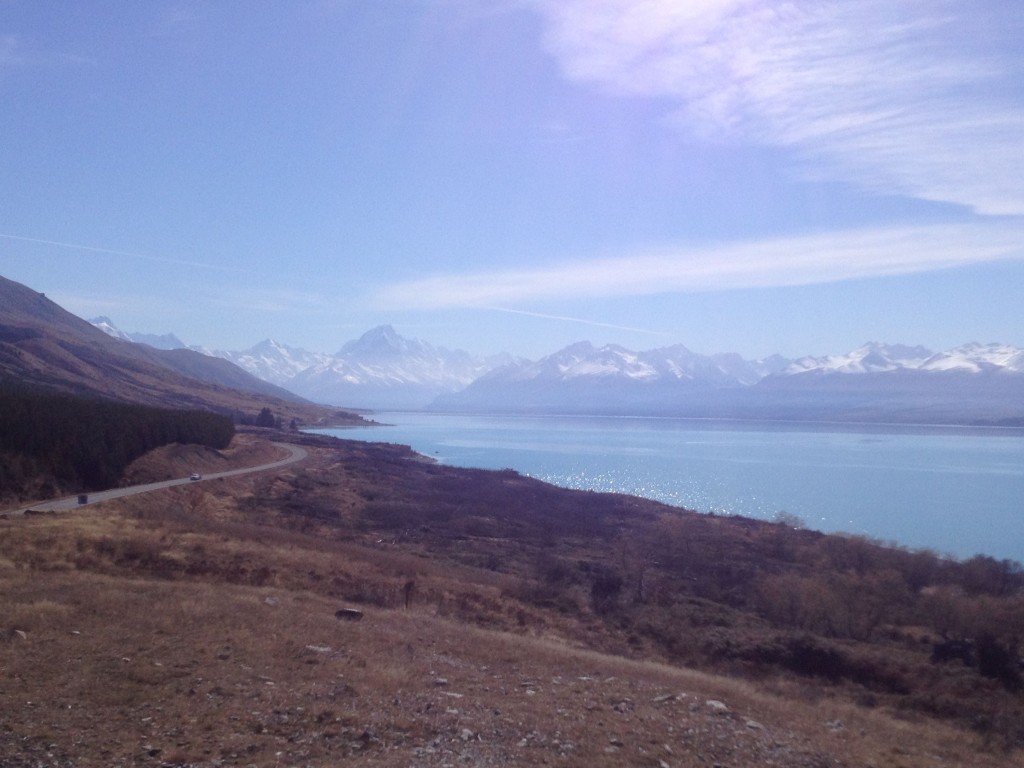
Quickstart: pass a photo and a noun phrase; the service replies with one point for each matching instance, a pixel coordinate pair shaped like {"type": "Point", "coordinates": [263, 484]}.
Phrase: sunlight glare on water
{"type": "Point", "coordinates": [954, 491]}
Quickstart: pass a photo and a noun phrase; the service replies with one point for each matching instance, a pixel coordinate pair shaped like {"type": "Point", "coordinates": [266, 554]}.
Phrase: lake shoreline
{"type": "Point", "coordinates": [949, 489]}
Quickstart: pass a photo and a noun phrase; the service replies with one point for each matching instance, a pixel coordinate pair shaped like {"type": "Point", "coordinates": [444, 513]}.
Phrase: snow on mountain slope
{"type": "Point", "coordinates": [723, 369]}
{"type": "Point", "coordinates": [675, 363]}
{"type": "Point", "coordinates": [608, 379]}
{"type": "Point", "coordinates": [106, 325]}
{"type": "Point", "coordinates": [872, 357]}
{"type": "Point", "coordinates": [157, 341]}
{"type": "Point", "coordinates": [975, 357]}
{"type": "Point", "coordinates": [383, 369]}
{"type": "Point", "coordinates": [273, 361]}
{"type": "Point", "coordinates": [384, 344]}
{"type": "Point", "coordinates": [581, 360]}
{"type": "Point", "coordinates": [380, 369]}
{"type": "Point", "coordinates": [269, 360]}
{"type": "Point", "coordinates": [876, 382]}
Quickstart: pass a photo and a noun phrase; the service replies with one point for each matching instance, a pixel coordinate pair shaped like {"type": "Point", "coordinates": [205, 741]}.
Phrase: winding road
{"type": "Point", "coordinates": [295, 453]}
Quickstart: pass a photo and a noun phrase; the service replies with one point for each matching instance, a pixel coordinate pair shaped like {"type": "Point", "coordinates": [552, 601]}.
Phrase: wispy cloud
{"type": "Point", "coordinates": [125, 254]}
{"type": "Point", "coordinates": [791, 261]}
{"type": "Point", "coordinates": [916, 98]}
{"type": "Point", "coordinates": [14, 52]}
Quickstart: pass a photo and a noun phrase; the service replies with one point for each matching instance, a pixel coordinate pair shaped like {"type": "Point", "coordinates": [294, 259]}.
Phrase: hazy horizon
{"type": "Point", "coordinates": [485, 352]}
{"type": "Point", "coordinates": [517, 175]}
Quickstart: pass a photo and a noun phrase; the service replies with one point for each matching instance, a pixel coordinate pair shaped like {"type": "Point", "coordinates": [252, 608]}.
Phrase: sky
{"type": "Point", "coordinates": [517, 175]}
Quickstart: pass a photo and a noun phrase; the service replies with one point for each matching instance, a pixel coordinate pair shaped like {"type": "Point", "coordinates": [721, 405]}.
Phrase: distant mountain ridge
{"type": "Point", "coordinates": [879, 358]}
{"type": "Point", "coordinates": [272, 361]}
{"type": "Point", "coordinates": [971, 383]}
{"type": "Point", "coordinates": [382, 369]}
{"type": "Point", "coordinates": [582, 360]}
{"type": "Point", "coordinates": [164, 341]}
{"type": "Point", "coordinates": [43, 346]}
{"type": "Point", "coordinates": [379, 370]}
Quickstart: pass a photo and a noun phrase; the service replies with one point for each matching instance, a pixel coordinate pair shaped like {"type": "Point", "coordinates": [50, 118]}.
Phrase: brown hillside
{"type": "Point", "coordinates": [504, 622]}
{"type": "Point", "coordinates": [42, 345]}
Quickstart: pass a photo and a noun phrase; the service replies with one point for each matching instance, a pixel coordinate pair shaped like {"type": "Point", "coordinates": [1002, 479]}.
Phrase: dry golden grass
{"type": "Point", "coordinates": [114, 671]}
{"type": "Point", "coordinates": [196, 627]}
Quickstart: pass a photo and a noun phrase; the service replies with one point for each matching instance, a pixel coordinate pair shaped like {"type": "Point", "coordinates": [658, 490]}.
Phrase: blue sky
{"type": "Point", "coordinates": [515, 175]}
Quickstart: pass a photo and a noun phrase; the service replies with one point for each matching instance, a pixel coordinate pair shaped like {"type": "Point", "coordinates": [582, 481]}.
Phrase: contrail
{"type": "Point", "coordinates": [95, 249]}
{"type": "Point", "coordinates": [579, 320]}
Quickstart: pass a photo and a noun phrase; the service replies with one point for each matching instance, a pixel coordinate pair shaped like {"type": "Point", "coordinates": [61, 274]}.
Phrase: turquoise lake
{"type": "Point", "coordinates": [955, 491]}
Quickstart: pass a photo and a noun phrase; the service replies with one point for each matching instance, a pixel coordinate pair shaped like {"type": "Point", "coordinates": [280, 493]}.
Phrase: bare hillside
{"type": "Point", "coordinates": [368, 605]}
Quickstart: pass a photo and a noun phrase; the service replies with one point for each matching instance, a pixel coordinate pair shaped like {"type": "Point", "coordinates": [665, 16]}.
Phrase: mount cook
{"type": "Point", "coordinates": [970, 384]}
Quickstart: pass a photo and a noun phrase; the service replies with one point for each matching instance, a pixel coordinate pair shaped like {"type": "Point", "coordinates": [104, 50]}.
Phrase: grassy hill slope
{"type": "Point", "coordinates": [504, 622]}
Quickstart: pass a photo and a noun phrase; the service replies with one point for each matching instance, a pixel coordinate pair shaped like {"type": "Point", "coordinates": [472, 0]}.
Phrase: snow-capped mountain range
{"type": "Point", "coordinates": [379, 370]}
{"type": "Point", "coordinates": [973, 383]}
{"type": "Point", "coordinates": [583, 360]}
{"type": "Point", "coordinates": [887, 382]}
{"type": "Point", "coordinates": [272, 361]}
{"type": "Point", "coordinates": [879, 358]}
{"type": "Point", "coordinates": [382, 369]}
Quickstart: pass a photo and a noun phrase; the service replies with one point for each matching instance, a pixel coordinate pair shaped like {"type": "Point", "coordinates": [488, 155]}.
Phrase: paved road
{"type": "Point", "coordinates": [295, 453]}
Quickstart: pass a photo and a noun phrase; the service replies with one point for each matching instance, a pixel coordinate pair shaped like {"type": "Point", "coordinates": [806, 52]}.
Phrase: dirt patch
{"type": "Point", "coordinates": [231, 675]}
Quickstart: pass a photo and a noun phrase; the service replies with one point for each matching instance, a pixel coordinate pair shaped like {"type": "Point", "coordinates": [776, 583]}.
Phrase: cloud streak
{"type": "Point", "coordinates": [806, 260]}
{"type": "Point", "coordinates": [914, 98]}
{"type": "Point", "coordinates": [15, 54]}
{"type": "Point", "coordinates": [127, 254]}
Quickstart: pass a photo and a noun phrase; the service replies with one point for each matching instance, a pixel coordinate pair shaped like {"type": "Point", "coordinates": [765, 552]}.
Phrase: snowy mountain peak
{"type": "Point", "coordinates": [382, 369]}
{"type": "Point", "coordinates": [879, 358]}
{"type": "Point", "coordinates": [975, 357]}
{"type": "Point", "coordinates": [583, 360]}
{"type": "Point", "coordinates": [272, 361]}
{"type": "Point", "coordinates": [269, 345]}
{"type": "Point", "coordinates": [573, 353]}
{"type": "Point", "coordinates": [609, 360]}
{"type": "Point", "coordinates": [382, 342]}
{"type": "Point", "coordinates": [106, 325]}
{"type": "Point", "coordinates": [872, 357]}
{"type": "Point", "coordinates": [157, 341]}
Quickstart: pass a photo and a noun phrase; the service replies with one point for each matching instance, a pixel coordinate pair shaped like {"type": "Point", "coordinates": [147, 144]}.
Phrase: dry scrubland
{"type": "Point", "coordinates": [196, 627]}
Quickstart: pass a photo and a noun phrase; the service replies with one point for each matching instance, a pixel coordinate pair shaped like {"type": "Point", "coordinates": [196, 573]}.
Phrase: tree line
{"type": "Point", "coordinates": [80, 443]}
